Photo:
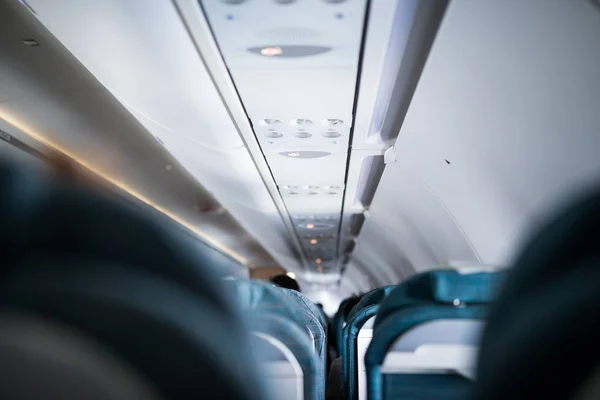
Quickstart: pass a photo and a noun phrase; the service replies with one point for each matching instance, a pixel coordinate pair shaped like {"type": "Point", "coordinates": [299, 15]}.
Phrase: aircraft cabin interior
{"type": "Point", "coordinates": [300, 199]}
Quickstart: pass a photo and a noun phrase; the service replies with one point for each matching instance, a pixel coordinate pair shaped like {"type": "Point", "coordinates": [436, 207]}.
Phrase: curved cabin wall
{"type": "Point", "coordinates": [503, 128]}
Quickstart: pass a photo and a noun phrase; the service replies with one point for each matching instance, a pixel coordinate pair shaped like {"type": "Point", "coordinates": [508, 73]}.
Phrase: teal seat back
{"type": "Point", "coordinates": [310, 314]}
{"type": "Point", "coordinates": [340, 318]}
{"type": "Point", "coordinates": [444, 294]}
{"type": "Point", "coordinates": [274, 311]}
{"type": "Point", "coordinates": [444, 287]}
{"type": "Point", "coordinates": [542, 336]}
{"type": "Point", "coordinates": [366, 308]}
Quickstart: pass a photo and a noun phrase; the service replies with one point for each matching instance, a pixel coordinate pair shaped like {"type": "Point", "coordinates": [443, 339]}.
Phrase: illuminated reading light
{"type": "Point", "coordinates": [291, 275]}
{"type": "Point", "coordinates": [318, 260]}
{"type": "Point", "coordinates": [31, 133]}
{"type": "Point", "coordinates": [271, 51]}
{"type": "Point", "coordinates": [314, 241]}
{"type": "Point", "coordinates": [310, 226]}
{"type": "Point", "coordinates": [293, 154]}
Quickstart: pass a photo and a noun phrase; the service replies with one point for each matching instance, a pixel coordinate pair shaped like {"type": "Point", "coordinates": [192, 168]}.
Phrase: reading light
{"type": "Point", "coordinates": [318, 260]}
{"type": "Point", "coordinates": [314, 241]}
{"type": "Point", "coordinates": [271, 51]}
{"type": "Point", "coordinates": [291, 275]}
{"type": "Point", "coordinates": [293, 154]}
{"type": "Point", "coordinates": [310, 226]}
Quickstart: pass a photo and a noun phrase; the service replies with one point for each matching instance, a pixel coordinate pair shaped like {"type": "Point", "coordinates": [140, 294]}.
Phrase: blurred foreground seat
{"type": "Point", "coordinates": [100, 299]}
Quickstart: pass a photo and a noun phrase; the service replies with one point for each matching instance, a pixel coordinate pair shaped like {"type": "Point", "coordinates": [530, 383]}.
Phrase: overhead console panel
{"type": "Point", "coordinates": [295, 65]}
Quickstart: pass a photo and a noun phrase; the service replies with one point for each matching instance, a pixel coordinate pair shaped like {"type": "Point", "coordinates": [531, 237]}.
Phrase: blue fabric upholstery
{"type": "Point", "coordinates": [425, 297]}
{"type": "Point", "coordinates": [426, 386]}
{"type": "Point", "coordinates": [339, 319]}
{"type": "Point", "coordinates": [442, 287]}
{"type": "Point", "coordinates": [310, 313]}
{"type": "Point", "coordinates": [275, 311]}
{"type": "Point", "coordinates": [398, 323]}
{"type": "Point", "coordinates": [366, 308]}
{"type": "Point", "coordinates": [296, 339]}
{"type": "Point", "coordinates": [180, 343]}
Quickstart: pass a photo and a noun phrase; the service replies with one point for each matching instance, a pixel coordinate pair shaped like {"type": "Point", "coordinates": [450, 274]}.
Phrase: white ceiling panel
{"type": "Point", "coordinates": [295, 68]}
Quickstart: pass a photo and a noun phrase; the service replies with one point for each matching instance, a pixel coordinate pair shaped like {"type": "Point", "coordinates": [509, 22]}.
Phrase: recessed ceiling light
{"type": "Point", "coordinates": [331, 135]}
{"type": "Point", "coordinates": [273, 135]}
{"type": "Point", "coordinates": [314, 241]}
{"type": "Point", "coordinates": [318, 260]}
{"type": "Point", "coordinates": [30, 42]}
{"type": "Point", "coordinates": [269, 121]}
{"type": "Point", "coordinates": [310, 226]}
{"type": "Point", "coordinates": [271, 51]}
{"type": "Point", "coordinates": [332, 122]}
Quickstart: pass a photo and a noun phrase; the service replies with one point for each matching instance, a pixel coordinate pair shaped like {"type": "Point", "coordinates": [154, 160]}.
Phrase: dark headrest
{"type": "Point", "coordinates": [50, 218]}
{"type": "Point", "coordinates": [541, 340]}
{"type": "Point", "coordinates": [442, 287]}
{"type": "Point", "coordinates": [122, 277]}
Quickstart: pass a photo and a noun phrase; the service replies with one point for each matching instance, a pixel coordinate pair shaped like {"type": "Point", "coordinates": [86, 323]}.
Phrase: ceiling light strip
{"type": "Point", "coordinates": [119, 184]}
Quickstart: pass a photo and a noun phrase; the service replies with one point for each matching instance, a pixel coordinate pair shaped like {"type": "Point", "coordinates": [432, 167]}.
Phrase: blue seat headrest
{"type": "Point", "coordinates": [443, 287]}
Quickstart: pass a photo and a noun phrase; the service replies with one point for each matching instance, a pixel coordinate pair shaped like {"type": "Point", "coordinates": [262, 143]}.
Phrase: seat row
{"type": "Point", "coordinates": [417, 338]}
{"type": "Point", "coordinates": [103, 299]}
